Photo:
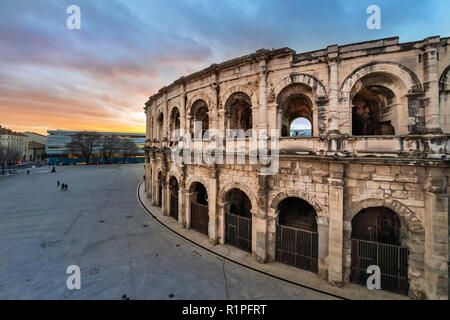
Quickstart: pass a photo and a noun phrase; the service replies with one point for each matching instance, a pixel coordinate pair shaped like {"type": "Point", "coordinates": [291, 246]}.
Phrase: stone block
{"type": "Point", "coordinates": [400, 194]}
{"type": "Point", "coordinates": [383, 177]}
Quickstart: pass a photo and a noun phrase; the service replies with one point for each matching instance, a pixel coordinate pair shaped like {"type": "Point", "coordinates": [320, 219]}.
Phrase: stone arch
{"type": "Point", "coordinates": [320, 211]}
{"type": "Point", "coordinates": [192, 179]}
{"type": "Point", "coordinates": [239, 88]}
{"type": "Point", "coordinates": [407, 217]}
{"type": "Point", "coordinates": [405, 89]}
{"type": "Point", "coordinates": [198, 96]}
{"type": "Point", "coordinates": [236, 185]}
{"type": "Point", "coordinates": [408, 78]}
{"type": "Point", "coordinates": [320, 93]}
{"type": "Point", "coordinates": [444, 80]}
{"type": "Point", "coordinates": [415, 241]}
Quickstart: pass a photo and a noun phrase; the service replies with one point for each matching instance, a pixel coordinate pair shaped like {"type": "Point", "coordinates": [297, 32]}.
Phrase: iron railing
{"type": "Point", "coordinates": [391, 259]}
{"type": "Point", "coordinates": [297, 247]}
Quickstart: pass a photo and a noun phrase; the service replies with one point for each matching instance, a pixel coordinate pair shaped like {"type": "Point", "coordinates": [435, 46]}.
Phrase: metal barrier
{"type": "Point", "coordinates": [391, 259]}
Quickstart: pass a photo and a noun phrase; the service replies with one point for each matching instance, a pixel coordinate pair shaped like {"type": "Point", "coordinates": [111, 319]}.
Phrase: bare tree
{"type": "Point", "coordinates": [109, 146]}
{"type": "Point", "coordinates": [128, 148]}
{"type": "Point", "coordinates": [7, 156]}
{"type": "Point", "coordinates": [83, 144]}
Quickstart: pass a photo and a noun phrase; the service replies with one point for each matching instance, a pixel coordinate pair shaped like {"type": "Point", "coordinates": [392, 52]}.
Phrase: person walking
{"type": "Point", "coordinates": [58, 184]}
{"type": "Point", "coordinates": [62, 186]}
{"type": "Point", "coordinates": [28, 172]}
{"type": "Point", "coordinates": [67, 187]}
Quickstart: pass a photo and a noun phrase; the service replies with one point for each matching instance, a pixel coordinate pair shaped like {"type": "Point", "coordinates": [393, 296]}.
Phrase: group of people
{"type": "Point", "coordinates": [64, 186]}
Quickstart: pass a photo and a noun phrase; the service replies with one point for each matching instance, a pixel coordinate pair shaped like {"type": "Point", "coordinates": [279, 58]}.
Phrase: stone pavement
{"type": "Point", "coordinates": [100, 226]}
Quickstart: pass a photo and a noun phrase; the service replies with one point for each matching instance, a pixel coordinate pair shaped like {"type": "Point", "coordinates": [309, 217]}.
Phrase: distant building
{"type": "Point", "coordinates": [34, 146]}
{"type": "Point", "coordinates": [57, 140]}
{"type": "Point", "coordinates": [300, 132]}
{"type": "Point", "coordinates": [13, 140]}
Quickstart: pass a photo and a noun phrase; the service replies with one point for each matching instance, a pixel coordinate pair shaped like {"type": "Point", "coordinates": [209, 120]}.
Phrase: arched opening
{"type": "Point", "coordinates": [160, 189]}
{"type": "Point", "coordinates": [160, 124]}
{"type": "Point", "coordinates": [199, 118]}
{"type": "Point", "coordinates": [238, 220]}
{"type": "Point", "coordinates": [374, 107]}
{"type": "Point", "coordinates": [199, 207]}
{"type": "Point", "coordinates": [297, 237]}
{"type": "Point", "coordinates": [294, 102]}
{"type": "Point", "coordinates": [173, 191]}
{"type": "Point", "coordinates": [301, 127]}
{"type": "Point", "coordinates": [238, 110]}
{"type": "Point", "coordinates": [174, 120]}
{"type": "Point", "coordinates": [376, 241]}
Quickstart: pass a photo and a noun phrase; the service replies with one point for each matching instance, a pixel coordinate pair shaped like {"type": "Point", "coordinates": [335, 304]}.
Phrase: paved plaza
{"type": "Point", "coordinates": [121, 250]}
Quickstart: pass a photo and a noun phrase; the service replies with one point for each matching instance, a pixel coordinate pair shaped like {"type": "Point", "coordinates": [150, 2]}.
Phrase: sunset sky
{"type": "Point", "coordinates": [99, 77]}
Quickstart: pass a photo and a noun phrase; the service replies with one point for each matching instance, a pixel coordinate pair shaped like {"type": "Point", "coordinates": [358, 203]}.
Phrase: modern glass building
{"type": "Point", "coordinates": [58, 139]}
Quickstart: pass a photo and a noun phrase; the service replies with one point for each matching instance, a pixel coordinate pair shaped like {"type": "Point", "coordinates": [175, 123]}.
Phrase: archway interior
{"type": "Point", "coordinates": [201, 193]}
{"type": "Point", "coordinates": [199, 114]}
{"type": "Point", "coordinates": [160, 121]}
{"type": "Point", "coordinates": [173, 185]}
{"type": "Point", "coordinates": [294, 102]}
{"type": "Point", "coordinates": [239, 112]}
{"type": "Point", "coordinates": [239, 203]}
{"type": "Point", "coordinates": [378, 224]}
{"type": "Point", "coordinates": [373, 107]}
{"type": "Point", "coordinates": [297, 213]}
{"type": "Point", "coordinates": [301, 127]}
{"type": "Point", "coordinates": [174, 120]}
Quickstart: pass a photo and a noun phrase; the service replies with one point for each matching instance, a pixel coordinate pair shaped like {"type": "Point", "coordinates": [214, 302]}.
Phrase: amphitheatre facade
{"type": "Point", "coordinates": [367, 186]}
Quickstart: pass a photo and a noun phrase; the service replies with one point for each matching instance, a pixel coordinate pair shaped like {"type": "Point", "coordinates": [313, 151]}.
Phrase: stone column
{"type": "Point", "coordinates": [436, 236]}
{"type": "Point", "coordinates": [154, 182]}
{"type": "Point", "coordinates": [181, 202]}
{"type": "Point", "coordinates": [183, 111]}
{"type": "Point", "coordinates": [212, 206]}
{"type": "Point", "coordinates": [431, 85]}
{"type": "Point", "coordinates": [263, 95]}
{"type": "Point", "coordinates": [164, 205]}
{"type": "Point", "coordinates": [336, 229]}
{"type": "Point", "coordinates": [260, 227]}
{"type": "Point", "coordinates": [221, 222]}
{"type": "Point", "coordinates": [333, 117]}
{"type": "Point", "coordinates": [259, 235]}
{"type": "Point", "coordinates": [322, 230]}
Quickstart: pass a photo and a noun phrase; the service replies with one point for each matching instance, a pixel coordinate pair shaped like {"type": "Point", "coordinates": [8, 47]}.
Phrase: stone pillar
{"type": "Point", "coordinates": [431, 85]}
{"type": "Point", "coordinates": [221, 222]}
{"type": "Point", "coordinates": [263, 95]}
{"type": "Point", "coordinates": [259, 235]}
{"type": "Point", "coordinates": [436, 236]}
{"type": "Point", "coordinates": [212, 205]}
{"type": "Point", "coordinates": [322, 230]}
{"type": "Point", "coordinates": [260, 227]}
{"type": "Point", "coordinates": [164, 204]}
{"type": "Point", "coordinates": [333, 117]}
{"type": "Point", "coordinates": [183, 110]}
{"type": "Point", "coordinates": [336, 229]}
{"type": "Point", "coordinates": [154, 183]}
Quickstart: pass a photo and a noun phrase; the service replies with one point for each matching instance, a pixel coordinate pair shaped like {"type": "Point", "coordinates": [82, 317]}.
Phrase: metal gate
{"type": "Point", "coordinates": [199, 217]}
{"type": "Point", "coordinates": [238, 231]}
{"type": "Point", "coordinates": [297, 248]}
{"type": "Point", "coordinates": [174, 206]}
{"type": "Point", "coordinates": [392, 260]}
